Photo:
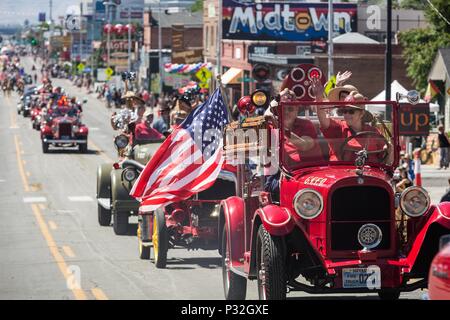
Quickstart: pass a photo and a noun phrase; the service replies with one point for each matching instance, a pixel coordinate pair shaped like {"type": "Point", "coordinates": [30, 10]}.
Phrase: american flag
{"type": "Point", "coordinates": [188, 161]}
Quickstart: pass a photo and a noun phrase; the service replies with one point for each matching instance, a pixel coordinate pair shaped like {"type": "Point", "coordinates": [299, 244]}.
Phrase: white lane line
{"type": "Point", "coordinates": [94, 129]}
{"type": "Point", "coordinates": [80, 199]}
{"type": "Point", "coordinates": [65, 211]}
{"type": "Point", "coordinates": [1, 180]}
{"type": "Point", "coordinates": [34, 199]}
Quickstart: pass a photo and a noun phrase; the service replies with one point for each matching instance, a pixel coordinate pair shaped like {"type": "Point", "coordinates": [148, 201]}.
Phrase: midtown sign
{"type": "Point", "coordinates": [285, 21]}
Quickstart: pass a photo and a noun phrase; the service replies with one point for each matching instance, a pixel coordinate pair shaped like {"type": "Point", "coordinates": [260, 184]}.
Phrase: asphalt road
{"type": "Point", "coordinates": [51, 245]}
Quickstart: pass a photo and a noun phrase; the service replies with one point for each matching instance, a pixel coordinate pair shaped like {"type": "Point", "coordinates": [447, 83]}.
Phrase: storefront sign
{"type": "Point", "coordinates": [414, 119]}
{"type": "Point", "coordinates": [187, 56]}
{"type": "Point", "coordinates": [284, 21]}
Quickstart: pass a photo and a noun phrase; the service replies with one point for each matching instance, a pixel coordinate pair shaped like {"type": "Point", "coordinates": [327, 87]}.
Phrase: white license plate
{"type": "Point", "coordinates": [361, 277]}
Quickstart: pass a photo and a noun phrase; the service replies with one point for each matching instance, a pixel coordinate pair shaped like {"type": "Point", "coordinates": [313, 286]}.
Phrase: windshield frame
{"type": "Point", "coordinates": [332, 105]}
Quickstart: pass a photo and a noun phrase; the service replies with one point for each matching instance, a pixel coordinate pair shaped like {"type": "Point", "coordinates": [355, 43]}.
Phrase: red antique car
{"type": "Point", "coordinates": [62, 127]}
{"type": "Point", "coordinates": [326, 220]}
{"type": "Point", "coordinates": [439, 278]}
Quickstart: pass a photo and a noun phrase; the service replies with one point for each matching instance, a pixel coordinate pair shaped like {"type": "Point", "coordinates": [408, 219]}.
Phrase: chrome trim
{"type": "Point", "coordinates": [299, 193]}
{"type": "Point", "coordinates": [425, 192]}
{"type": "Point", "coordinates": [276, 224]}
{"type": "Point", "coordinates": [65, 141]}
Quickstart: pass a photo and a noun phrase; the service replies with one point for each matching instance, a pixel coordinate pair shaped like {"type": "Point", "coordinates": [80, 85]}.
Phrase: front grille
{"type": "Point", "coordinates": [352, 207]}
{"type": "Point", "coordinates": [65, 129]}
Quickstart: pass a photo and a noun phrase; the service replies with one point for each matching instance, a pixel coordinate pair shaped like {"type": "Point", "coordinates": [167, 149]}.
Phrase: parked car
{"type": "Point", "coordinates": [439, 276]}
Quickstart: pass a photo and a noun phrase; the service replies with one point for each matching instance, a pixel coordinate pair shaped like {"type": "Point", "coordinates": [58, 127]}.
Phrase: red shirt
{"type": "Point", "coordinates": [143, 132]}
{"type": "Point", "coordinates": [339, 130]}
{"type": "Point", "coordinates": [301, 127]}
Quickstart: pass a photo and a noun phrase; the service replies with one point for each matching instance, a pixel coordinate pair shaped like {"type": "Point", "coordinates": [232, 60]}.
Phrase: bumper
{"type": "Point", "coordinates": [125, 205]}
{"type": "Point", "coordinates": [63, 141]}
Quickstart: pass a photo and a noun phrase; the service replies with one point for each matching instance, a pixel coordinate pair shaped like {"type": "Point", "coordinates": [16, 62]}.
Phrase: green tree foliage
{"type": "Point", "coordinates": [413, 4]}
{"type": "Point", "coordinates": [421, 45]}
{"type": "Point", "coordinates": [197, 6]}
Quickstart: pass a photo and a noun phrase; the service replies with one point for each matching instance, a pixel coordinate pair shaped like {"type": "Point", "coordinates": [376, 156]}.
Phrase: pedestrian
{"type": "Point", "coordinates": [446, 196]}
{"type": "Point", "coordinates": [444, 145]}
{"type": "Point", "coordinates": [408, 164]}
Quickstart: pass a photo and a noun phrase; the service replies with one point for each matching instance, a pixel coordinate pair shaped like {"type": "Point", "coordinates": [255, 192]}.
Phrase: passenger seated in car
{"type": "Point", "coordinates": [144, 130]}
{"type": "Point", "coordinates": [355, 121]}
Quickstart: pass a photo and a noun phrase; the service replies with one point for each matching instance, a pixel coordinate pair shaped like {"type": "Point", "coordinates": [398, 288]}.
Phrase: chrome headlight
{"type": "Point", "coordinates": [75, 128]}
{"type": "Point", "coordinates": [129, 174]}
{"type": "Point", "coordinates": [121, 141]}
{"type": "Point", "coordinates": [415, 201]}
{"type": "Point", "coordinates": [308, 203]}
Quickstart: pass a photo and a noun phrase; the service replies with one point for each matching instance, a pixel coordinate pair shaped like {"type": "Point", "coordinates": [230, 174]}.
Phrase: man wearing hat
{"type": "Point", "coordinates": [144, 130]}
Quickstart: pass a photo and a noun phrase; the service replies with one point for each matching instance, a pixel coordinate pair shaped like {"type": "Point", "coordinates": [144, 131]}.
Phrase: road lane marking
{"type": "Point", "coordinates": [20, 164]}
{"type": "Point", "coordinates": [1, 180]}
{"type": "Point", "coordinates": [34, 199]}
{"type": "Point", "coordinates": [62, 265]}
{"type": "Point", "coordinates": [94, 129]}
{"type": "Point", "coordinates": [65, 211]}
{"type": "Point", "coordinates": [28, 174]}
{"type": "Point", "coordinates": [41, 206]}
{"type": "Point", "coordinates": [13, 121]}
{"type": "Point", "coordinates": [80, 199]}
{"type": "Point", "coordinates": [52, 225]}
{"type": "Point", "coordinates": [68, 251]}
{"type": "Point", "coordinates": [99, 294]}
{"type": "Point", "coordinates": [103, 154]}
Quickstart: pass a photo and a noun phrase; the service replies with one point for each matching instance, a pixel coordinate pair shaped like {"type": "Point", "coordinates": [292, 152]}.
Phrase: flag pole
{"type": "Point", "coordinates": [224, 96]}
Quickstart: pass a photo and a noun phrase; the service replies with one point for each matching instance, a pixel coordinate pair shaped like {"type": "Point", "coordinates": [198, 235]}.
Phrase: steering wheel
{"type": "Point", "coordinates": [346, 148]}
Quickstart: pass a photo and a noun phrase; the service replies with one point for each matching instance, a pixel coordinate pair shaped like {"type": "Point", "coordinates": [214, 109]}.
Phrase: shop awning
{"type": "Point", "coordinates": [231, 76]}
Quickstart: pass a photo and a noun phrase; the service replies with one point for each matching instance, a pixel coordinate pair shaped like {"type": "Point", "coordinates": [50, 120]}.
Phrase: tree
{"type": "Point", "coordinates": [413, 4]}
{"type": "Point", "coordinates": [197, 6]}
{"type": "Point", "coordinates": [420, 46]}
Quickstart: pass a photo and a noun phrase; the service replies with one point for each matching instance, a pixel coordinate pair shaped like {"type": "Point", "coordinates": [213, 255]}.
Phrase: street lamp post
{"type": "Point", "coordinates": [388, 60]}
{"type": "Point", "coordinates": [330, 38]}
{"type": "Point", "coordinates": [108, 36]}
{"type": "Point", "coordinates": [159, 49]}
{"type": "Point", "coordinates": [129, 39]}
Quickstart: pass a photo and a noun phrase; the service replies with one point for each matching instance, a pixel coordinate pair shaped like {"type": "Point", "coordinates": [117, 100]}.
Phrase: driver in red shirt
{"type": "Point", "coordinates": [354, 123]}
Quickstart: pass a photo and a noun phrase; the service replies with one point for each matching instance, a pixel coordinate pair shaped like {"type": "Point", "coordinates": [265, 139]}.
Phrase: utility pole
{"type": "Point", "coordinates": [108, 33]}
{"type": "Point", "coordinates": [129, 38]}
{"type": "Point", "coordinates": [159, 49]}
{"type": "Point", "coordinates": [330, 38]}
{"type": "Point", "coordinates": [80, 31]}
{"type": "Point", "coordinates": [388, 60]}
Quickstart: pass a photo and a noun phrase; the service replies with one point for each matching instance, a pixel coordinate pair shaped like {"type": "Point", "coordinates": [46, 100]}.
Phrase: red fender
{"type": "Point", "coordinates": [46, 130]}
{"type": "Point", "coordinates": [439, 214]}
{"type": "Point", "coordinates": [277, 220]}
{"type": "Point", "coordinates": [232, 215]}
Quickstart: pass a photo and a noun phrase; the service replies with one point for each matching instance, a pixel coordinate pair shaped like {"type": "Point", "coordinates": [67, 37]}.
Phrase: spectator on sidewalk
{"type": "Point", "coordinates": [444, 145]}
{"type": "Point", "coordinates": [446, 196]}
{"type": "Point", "coordinates": [408, 164]}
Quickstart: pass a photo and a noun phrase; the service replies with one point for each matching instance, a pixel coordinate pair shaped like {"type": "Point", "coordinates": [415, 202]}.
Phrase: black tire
{"type": "Point", "coordinates": [389, 294]}
{"type": "Point", "coordinates": [234, 285]}
{"type": "Point", "coordinates": [104, 216]}
{"type": "Point", "coordinates": [120, 223]}
{"type": "Point", "coordinates": [83, 148]}
{"type": "Point", "coordinates": [44, 147]}
{"type": "Point", "coordinates": [144, 251]}
{"type": "Point", "coordinates": [160, 239]}
{"type": "Point", "coordinates": [270, 266]}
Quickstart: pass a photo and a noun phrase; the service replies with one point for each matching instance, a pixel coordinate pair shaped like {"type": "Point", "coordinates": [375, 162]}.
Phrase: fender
{"type": "Point", "coordinates": [232, 217]}
{"type": "Point", "coordinates": [46, 130]}
{"type": "Point", "coordinates": [437, 216]}
{"type": "Point", "coordinates": [104, 180]}
{"type": "Point", "coordinates": [277, 220]}
{"type": "Point", "coordinates": [83, 130]}
{"type": "Point", "coordinates": [118, 191]}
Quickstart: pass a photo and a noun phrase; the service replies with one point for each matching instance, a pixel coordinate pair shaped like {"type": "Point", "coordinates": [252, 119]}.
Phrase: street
{"type": "Point", "coordinates": [51, 244]}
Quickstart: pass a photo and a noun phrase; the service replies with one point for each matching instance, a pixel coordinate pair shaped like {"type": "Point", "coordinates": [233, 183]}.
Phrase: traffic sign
{"type": "Point", "coordinates": [80, 67]}
{"type": "Point", "coordinates": [203, 75]}
{"type": "Point", "coordinates": [204, 85]}
{"type": "Point", "coordinates": [109, 72]}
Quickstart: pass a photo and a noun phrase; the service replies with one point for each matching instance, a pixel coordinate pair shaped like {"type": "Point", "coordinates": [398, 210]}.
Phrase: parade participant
{"type": "Point", "coordinates": [162, 120]}
{"type": "Point", "coordinates": [144, 130]}
{"type": "Point", "coordinates": [181, 110]}
{"type": "Point", "coordinates": [355, 121]}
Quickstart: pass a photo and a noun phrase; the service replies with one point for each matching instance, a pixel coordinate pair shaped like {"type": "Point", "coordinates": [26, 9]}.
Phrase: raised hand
{"type": "Point", "coordinates": [341, 78]}
{"type": "Point", "coordinates": [317, 89]}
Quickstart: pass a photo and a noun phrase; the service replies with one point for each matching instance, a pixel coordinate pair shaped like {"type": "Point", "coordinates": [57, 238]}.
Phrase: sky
{"type": "Point", "coordinates": [16, 11]}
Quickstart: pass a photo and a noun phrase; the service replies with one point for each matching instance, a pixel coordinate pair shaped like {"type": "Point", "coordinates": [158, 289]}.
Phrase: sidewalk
{"type": "Point", "coordinates": [435, 181]}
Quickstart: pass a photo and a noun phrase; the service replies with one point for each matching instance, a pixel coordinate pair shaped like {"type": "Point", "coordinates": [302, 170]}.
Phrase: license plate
{"type": "Point", "coordinates": [65, 137]}
{"type": "Point", "coordinates": [361, 277]}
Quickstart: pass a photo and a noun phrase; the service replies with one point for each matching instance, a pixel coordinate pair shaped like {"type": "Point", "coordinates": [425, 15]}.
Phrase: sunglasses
{"type": "Point", "coordinates": [344, 111]}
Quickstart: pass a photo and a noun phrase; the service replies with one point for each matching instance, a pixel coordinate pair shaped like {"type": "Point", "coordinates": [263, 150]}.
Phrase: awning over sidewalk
{"type": "Point", "coordinates": [231, 76]}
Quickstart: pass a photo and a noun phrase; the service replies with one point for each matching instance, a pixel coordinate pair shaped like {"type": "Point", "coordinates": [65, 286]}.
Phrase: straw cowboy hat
{"type": "Point", "coordinates": [335, 93]}
{"type": "Point", "coordinates": [132, 95]}
{"type": "Point", "coordinates": [355, 96]}
{"type": "Point", "coordinates": [148, 112]}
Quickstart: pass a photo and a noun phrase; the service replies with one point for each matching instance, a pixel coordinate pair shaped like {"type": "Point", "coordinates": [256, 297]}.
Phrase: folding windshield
{"type": "Point", "coordinates": [338, 132]}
